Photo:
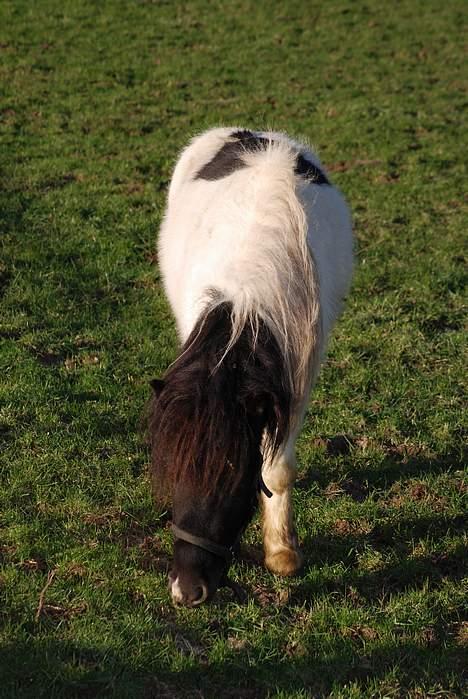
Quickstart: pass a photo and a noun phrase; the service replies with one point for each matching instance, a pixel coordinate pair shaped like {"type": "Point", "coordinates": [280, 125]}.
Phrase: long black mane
{"type": "Point", "coordinates": [214, 405]}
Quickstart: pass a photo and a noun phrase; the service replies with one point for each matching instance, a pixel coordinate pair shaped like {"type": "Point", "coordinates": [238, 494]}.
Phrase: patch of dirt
{"type": "Point", "coordinates": [134, 188]}
{"type": "Point", "coordinates": [134, 535]}
{"type": "Point", "coordinates": [122, 528]}
{"type": "Point", "coordinates": [461, 634]}
{"type": "Point", "coordinates": [266, 596]}
{"type": "Point", "coordinates": [354, 596]}
{"type": "Point", "coordinates": [344, 166]}
{"type": "Point", "coordinates": [296, 649]}
{"type": "Point", "coordinates": [344, 527]}
{"type": "Point", "coordinates": [71, 363]}
{"type": "Point", "coordinates": [446, 564]}
{"type": "Point", "coordinates": [57, 611]}
{"type": "Point", "coordinates": [405, 451]}
{"type": "Point", "coordinates": [152, 257]}
{"type": "Point", "coordinates": [75, 570]}
{"type": "Point", "coordinates": [428, 637]}
{"type": "Point", "coordinates": [401, 494]}
{"type": "Point", "coordinates": [235, 643]}
{"type": "Point", "coordinates": [397, 501]}
{"type": "Point", "coordinates": [461, 485]}
{"type": "Point", "coordinates": [7, 551]}
{"type": "Point", "coordinates": [33, 565]}
{"type": "Point", "coordinates": [338, 445]}
{"type": "Point", "coordinates": [152, 557]}
{"type": "Point", "coordinates": [44, 508]}
{"type": "Point", "coordinates": [333, 490]}
{"type": "Point", "coordinates": [343, 444]}
{"type": "Point", "coordinates": [253, 555]}
{"type": "Point", "coordinates": [103, 519]}
{"type": "Point", "coordinates": [355, 489]}
{"type": "Point", "coordinates": [59, 181]}
{"type": "Point", "coordinates": [388, 178]}
{"type": "Point", "coordinates": [418, 491]}
{"type": "Point", "coordinates": [360, 633]}
{"type": "Point", "coordinates": [48, 358]}
{"type": "Point", "coordinates": [10, 334]}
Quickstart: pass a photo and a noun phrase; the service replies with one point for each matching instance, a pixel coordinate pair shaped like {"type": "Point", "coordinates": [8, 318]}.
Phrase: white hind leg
{"type": "Point", "coordinates": [282, 555]}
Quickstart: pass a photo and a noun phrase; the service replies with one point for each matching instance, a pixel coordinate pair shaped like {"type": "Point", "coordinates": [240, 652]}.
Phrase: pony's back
{"type": "Point", "coordinates": [253, 220]}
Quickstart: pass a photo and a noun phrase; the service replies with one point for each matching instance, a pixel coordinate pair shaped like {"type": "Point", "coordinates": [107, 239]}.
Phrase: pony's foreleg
{"type": "Point", "coordinates": [282, 555]}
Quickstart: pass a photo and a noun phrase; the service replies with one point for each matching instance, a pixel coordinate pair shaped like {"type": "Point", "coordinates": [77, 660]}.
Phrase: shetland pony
{"type": "Point", "coordinates": [256, 255]}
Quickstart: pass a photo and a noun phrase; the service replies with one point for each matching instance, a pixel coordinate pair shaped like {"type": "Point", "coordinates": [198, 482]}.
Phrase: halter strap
{"type": "Point", "coordinates": [263, 487]}
{"type": "Point", "coordinates": [202, 543]}
{"type": "Point", "coordinates": [207, 545]}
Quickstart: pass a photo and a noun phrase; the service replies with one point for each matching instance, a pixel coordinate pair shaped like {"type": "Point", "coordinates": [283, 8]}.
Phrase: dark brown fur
{"type": "Point", "coordinates": [229, 159]}
{"type": "Point", "coordinates": [207, 416]}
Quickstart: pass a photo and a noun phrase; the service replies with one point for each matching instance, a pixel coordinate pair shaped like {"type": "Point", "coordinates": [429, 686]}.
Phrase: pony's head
{"type": "Point", "coordinates": [211, 418]}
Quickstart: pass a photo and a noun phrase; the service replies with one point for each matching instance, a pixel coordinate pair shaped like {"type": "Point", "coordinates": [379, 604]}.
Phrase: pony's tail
{"type": "Point", "coordinates": [278, 286]}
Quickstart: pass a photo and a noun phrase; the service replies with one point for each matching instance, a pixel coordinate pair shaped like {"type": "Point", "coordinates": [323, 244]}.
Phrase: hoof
{"type": "Point", "coordinates": [284, 562]}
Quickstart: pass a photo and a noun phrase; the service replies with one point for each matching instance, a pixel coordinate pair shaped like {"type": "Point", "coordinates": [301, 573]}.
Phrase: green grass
{"type": "Point", "coordinates": [96, 100]}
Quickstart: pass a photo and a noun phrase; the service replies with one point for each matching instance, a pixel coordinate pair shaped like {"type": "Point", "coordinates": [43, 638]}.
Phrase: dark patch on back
{"type": "Point", "coordinates": [250, 141]}
{"type": "Point", "coordinates": [305, 168]}
{"type": "Point", "coordinates": [229, 157]}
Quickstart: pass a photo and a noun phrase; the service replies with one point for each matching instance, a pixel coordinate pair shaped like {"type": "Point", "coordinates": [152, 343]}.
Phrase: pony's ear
{"type": "Point", "coordinates": [157, 385]}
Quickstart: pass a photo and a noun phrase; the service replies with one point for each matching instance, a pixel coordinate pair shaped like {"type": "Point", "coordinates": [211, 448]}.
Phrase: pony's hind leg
{"type": "Point", "coordinates": [282, 554]}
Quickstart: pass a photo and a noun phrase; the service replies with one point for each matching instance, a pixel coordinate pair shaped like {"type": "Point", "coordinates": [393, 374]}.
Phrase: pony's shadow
{"type": "Point", "coordinates": [406, 571]}
{"type": "Point", "coordinates": [332, 548]}
{"type": "Point", "coordinates": [395, 538]}
{"type": "Point", "coordinates": [316, 672]}
{"type": "Point", "coordinates": [395, 465]}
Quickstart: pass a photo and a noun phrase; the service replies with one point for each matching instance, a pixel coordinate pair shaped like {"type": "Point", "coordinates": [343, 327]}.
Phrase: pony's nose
{"type": "Point", "coordinates": [188, 595]}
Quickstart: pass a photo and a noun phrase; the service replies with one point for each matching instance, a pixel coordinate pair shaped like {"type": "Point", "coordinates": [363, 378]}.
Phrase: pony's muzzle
{"type": "Point", "coordinates": [188, 594]}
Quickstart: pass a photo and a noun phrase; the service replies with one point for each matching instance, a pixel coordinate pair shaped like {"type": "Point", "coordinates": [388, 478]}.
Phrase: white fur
{"type": "Point", "coordinates": [275, 245]}
{"type": "Point", "coordinates": [176, 592]}
{"type": "Point", "coordinates": [238, 235]}
{"type": "Point", "coordinates": [178, 596]}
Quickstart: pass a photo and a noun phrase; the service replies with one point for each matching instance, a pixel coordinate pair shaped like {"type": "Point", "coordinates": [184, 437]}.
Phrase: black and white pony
{"type": "Point", "coordinates": [256, 255]}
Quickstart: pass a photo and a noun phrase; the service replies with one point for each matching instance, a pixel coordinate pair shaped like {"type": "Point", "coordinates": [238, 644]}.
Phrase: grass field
{"type": "Point", "coordinates": [97, 98]}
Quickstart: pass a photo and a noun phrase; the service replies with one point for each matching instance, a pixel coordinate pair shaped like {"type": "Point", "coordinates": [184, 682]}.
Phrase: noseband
{"type": "Point", "coordinates": [225, 552]}
{"type": "Point", "coordinates": [218, 550]}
